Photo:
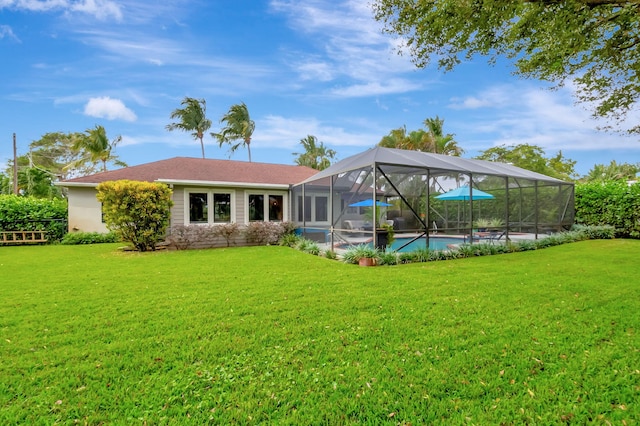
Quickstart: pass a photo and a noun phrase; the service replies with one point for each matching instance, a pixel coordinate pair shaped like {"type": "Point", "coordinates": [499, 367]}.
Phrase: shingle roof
{"type": "Point", "coordinates": [201, 169]}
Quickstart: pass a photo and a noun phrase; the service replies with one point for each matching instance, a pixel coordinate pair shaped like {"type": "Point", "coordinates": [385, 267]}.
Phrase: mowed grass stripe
{"type": "Point", "coordinates": [272, 335]}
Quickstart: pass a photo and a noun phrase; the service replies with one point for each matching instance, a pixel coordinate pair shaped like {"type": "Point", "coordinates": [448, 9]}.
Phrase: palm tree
{"type": "Point", "coordinates": [416, 140]}
{"type": "Point", "coordinates": [317, 156]}
{"type": "Point", "coordinates": [192, 118]}
{"type": "Point", "coordinates": [239, 126]}
{"type": "Point", "coordinates": [95, 147]}
{"type": "Point", "coordinates": [442, 144]}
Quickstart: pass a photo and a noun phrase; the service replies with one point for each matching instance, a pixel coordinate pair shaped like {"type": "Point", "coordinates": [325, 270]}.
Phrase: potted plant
{"type": "Point", "coordinates": [363, 255]}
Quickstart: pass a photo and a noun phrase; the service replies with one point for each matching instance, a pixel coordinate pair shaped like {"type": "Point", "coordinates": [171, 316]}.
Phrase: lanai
{"type": "Point", "coordinates": [523, 202]}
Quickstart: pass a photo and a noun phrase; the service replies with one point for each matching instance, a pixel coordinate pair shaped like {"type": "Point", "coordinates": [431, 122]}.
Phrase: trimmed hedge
{"type": "Point", "coordinates": [34, 214]}
{"type": "Point", "coordinates": [75, 238]}
{"type": "Point", "coordinates": [610, 203]}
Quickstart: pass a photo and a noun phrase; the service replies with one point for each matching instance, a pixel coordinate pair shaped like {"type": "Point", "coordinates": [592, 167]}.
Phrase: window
{"type": "Point", "coordinates": [222, 208]}
{"type": "Point", "coordinates": [276, 208]}
{"type": "Point", "coordinates": [266, 207]}
{"type": "Point", "coordinates": [322, 209]}
{"type": "Point", "coordinates": [256, 207]}
{"type": "Point", "coordinates": [198, 207]}
{"type": "Point", "coordinates": [198, 203]}
{"type": "Point", "coordinates": [316, 208]}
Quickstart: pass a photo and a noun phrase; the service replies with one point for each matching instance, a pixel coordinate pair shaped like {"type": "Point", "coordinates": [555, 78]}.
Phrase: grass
{"type": "Point", "coordinates": [91, 335]}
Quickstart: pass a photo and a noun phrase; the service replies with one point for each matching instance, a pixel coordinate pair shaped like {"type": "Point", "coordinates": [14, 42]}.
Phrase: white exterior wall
{"type": "Point", "coordinates": [177, 211]}
{"type": "Point", "coordinates": [85, 211]}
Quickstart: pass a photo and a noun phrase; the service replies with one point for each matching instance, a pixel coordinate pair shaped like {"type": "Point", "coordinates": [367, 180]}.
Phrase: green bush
{"type": "Point", "coordinates": [74, 238]}
{"type": "Point", "coordinates": [604, 232]}
{"type": "Point", "coordinates": [34, 214]}
{"type": "Point", "coordinates": [330, 254]}
{"type": "Point", "coordinates": [289, 240]}
{"type": "Point", "coordinates": [611, 203]}
{"type": "Point", "coordinates": [388, 258]}
{"type": "Point", "coordinates": [137, 211]}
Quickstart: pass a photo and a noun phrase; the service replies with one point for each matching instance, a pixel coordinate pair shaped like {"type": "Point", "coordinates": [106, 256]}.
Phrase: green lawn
{"type": "Point", "coordinates": [271, 335]}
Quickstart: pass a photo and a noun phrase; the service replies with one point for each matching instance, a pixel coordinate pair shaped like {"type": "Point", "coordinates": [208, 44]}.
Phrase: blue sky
{"type": "Point", "coordinates": [319, 67]}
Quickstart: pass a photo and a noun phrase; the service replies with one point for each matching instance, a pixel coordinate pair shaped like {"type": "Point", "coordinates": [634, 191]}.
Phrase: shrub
{"type": "Point", "coordinates": [330, 254]}
{"type": "Point", "coordinates": [604, 232]}
{"type": "Point", "coordinates": [526, 245]}
{"type": "Point", "coordinates": [313, 248]}
{"type": "Point", "coordinates": [183, 237]}
{"type": "Point", "coordinates": [466, 250]}
{"type": "Point", "coordinates": [228, 231]}
{"type": "Point", "coordinates": [307, 246]}
{"type": "Point", "coordinates": [289, 240]}
{"type": "Point", "coordinates": [265, 233]}
{"type": "Point", "coordinates": [433, 256]}
{"type": "Point", "coordinates": [288, 228]}
{"type": "Point", "coordinates": [419, 255]}
{"type": "Point", "coordinates": [75, 238]}
{"type": "Point", "coordinates": [388, 258]}
{"type": "Point", "coordinates": [137, 211]}
{"type": "Point", "coordinates": [34, 214]}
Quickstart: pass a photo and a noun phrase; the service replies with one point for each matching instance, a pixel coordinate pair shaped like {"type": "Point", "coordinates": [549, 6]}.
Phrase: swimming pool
{"type": "Point", "coordinates": [435, 243]}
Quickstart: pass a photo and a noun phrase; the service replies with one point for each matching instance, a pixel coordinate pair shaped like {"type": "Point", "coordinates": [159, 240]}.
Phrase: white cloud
{"type": "Point", "coordinates": [101, 9]}
{"type": "Point", "coordinates": [375, 88]}
{"type": "Point", "coordinates": [7, 32]}
{"type": "Point", "coordinates": [496, 96]}
{"type": "Point", "coordinates": [315, 70]}
{"type": "Point", "coordinates": [520, 113]}
{"type": "Point", "coordinates": [351, 43]}
{"type": "Point", "coordinates": [111, 109]}
{"type": "Point", "coordinates": [287, 132]}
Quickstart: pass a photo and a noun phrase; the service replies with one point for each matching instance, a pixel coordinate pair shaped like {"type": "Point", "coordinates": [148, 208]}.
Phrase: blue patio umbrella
{"type": "Point", "coordinates": [462, 194]}
{"type": "Point", "coordinates": [369, 203]}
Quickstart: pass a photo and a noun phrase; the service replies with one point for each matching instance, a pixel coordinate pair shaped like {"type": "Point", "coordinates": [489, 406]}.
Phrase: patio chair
{"type": "Point", "coordinates": [490, 236]}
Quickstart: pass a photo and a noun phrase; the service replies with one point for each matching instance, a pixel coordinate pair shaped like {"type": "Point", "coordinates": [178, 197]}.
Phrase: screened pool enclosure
{"type": "Point", "coordinates": [423, 196]}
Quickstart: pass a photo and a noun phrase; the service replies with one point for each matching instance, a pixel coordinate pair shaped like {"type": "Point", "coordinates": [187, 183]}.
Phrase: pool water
{"type": "Point", "coordinates": [435, 243]}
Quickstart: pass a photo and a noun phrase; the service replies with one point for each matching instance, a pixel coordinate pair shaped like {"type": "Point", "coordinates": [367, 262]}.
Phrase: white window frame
{"type": "Point", "coordinates": [313, 220]}
{"type": "Point", "coordinates": [265, 194]}
{"type": "Point", "coordinates": [210, 213]}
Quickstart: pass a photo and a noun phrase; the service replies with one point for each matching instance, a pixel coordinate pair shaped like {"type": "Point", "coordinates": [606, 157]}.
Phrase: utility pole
{"type": "Point", "coordinates": [15, 166]}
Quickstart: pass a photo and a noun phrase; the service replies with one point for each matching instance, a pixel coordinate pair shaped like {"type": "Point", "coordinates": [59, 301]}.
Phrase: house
{"type": "Point", "coordinates": [205, 191]}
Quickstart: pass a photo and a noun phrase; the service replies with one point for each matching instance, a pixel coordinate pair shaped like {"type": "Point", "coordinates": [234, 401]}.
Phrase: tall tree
{"type": "Point", "coordinates": [531, 157]}
{"type": "Point", "coordinates": [238, 129]}
{"type": "Point", "coordinates": [55, 152]}
{"type": "Point", "coordinates": [430, 140]}
{"type": "Point", "coordinates": [612, 171]}
{"type": "Point", "coordinates": [592, 42]}
{"type": "Point", "coordinates": [97, 147]}
{"type": "Point", "coordinates": [192, 118]}
{"type": "Point", "coordinates": [442, 144]}
{"type": "Point", "coordinates": [315, 155]}
{"type": "Point", "coordinates": [416, 140]}
{"type": "Point", "coordinates": [55, 156]}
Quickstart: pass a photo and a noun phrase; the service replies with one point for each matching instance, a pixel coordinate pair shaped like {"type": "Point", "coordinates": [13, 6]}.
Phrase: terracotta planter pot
{"type": "Point", "coordinates": [367, 261]}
